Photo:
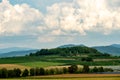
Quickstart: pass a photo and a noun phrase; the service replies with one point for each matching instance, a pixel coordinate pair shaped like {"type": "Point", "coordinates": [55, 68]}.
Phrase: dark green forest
{"type": "Point", "coordinates": [70, 51]}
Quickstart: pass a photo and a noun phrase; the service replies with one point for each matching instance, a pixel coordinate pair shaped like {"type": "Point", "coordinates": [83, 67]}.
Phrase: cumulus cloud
{"type": "Point", "coordinates": [18, 18]}
{"type": "Point", "coordinates": [66, 18]}
{"type": "Point", "coordinates": [82, 16]}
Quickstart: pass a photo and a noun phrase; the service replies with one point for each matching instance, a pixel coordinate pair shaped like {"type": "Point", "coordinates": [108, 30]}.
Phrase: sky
{"type": "Point", "coordinates": [51, 23]}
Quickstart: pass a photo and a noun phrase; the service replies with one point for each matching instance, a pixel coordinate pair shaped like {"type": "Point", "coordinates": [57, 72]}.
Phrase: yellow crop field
{"type": "Point", "coordinates": [73, 77]}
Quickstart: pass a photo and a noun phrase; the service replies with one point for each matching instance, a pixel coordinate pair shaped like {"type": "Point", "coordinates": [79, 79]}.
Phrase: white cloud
{"type": "Point", "coordinates": [18, 18]}
{"type": "Point", "coordinates": [82, 16]}
{"type": "Point", "coordinates": [65, 18]}
{"type": "Point", "coordinates": [46, 39]}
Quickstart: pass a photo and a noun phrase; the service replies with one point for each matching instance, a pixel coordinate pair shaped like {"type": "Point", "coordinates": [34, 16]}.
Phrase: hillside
{"type": "Point", "coordinates": [116, 45]}
{"type": "Point", "coordinates": [69, 45]}
{"type": "Point", "coordinates": [108, 49]}
{"type": "Point", "coordinates": [113, 49]}
{"type": "Point", "coordinates": [17, 53]}
{"type": "Point", "coordinates": [10, 49]}
{"type": "Point", "coordinates": [68, 51]}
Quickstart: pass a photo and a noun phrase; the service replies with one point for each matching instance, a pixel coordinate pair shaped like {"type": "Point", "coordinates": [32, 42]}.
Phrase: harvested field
{"type": "Point", "coordinates": [72, 77]}
{"type": "Point", "coordinates": [82, 75]}
{"type": "Point", "coordinates": [12, 66]}
{"type": "Point", "coordinates": [76, 77]}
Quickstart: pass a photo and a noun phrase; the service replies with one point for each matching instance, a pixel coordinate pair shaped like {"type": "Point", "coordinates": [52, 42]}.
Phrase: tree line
{"type": "Point", "coordinates": [4, 73]}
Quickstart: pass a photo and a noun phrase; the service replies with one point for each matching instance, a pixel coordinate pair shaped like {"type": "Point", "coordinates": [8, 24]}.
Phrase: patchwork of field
{"type": "Point", "coordinates": [45, 61]}
{"type": "Point", "coordinates": [52, 61]}
{"type": "Point", "coordinates": [59, 62]}
{"type": "Point", "coordinates": [29, 65]}
{"type": "Point", "coordinates": [74, 77]}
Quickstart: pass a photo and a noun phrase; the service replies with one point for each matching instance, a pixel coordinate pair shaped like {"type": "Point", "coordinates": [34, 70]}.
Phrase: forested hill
{"type": "Point", "coordinates": [70, 51]}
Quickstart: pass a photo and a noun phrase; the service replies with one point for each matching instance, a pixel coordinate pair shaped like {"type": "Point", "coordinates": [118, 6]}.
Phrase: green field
{"type": "Point", "coordinates": [46, 61]}
{"type": "Point", "coordinates": [40, 64]}
{"type": "Point", "coordinates": [73, 77]}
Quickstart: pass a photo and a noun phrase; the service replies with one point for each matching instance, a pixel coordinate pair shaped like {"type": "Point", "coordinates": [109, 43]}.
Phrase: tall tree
{"type": "Point", "coordinates": [25, 73]}
{"type": "Point", "coordinates": [85, 69]}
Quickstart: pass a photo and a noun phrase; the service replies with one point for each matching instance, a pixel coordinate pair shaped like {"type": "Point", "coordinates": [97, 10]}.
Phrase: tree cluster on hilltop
{"type": "Point", "coordinates": [70, 51]}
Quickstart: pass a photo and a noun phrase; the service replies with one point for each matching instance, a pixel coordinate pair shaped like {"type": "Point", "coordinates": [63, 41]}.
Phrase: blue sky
{"type": "Point", "coordinates": [50, 23]}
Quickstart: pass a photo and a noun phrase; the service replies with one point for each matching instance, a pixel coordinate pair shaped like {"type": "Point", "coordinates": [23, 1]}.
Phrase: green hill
{"type": "Point", "coordinates": [68, 51]}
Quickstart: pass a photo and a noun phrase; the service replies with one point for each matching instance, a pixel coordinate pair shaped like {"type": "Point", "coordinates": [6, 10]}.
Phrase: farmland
{"type": "Point", "coordinates": [53, 62]}
{"type": "Point", "coordinates": [47, 61]}
{"type": "Point", "coordinates": [73, 77]}
{"type": "Point", "coordinates": [79, 55]}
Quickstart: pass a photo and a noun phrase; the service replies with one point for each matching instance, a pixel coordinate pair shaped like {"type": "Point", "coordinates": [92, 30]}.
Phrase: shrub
{"type": "Point", "coordinates": [47, 72]}
{"type": "Point", "coordinates": [85, 69]}
{"type": "Point", "coordinates": [11, 73]}
{"type": "Point", "coordinates": [108, 70]}
{"type": "Point", "coordinates": [17, 72]}
{"type": "Point", "coordinates": [37, 71]}
{"type": "Point", "coordinates": [65, 70]}
{"type": "Point", "coordinates": [100, 69]}
{"type": "Point", "coordinates": [4, 73]}
{"type": "Point", "coordinates": [73, 69]}
{"type": "Point", "coordinates": [42, 71]}
{"type": "Point", "coordinates": [52, 71]}
{"type": "Point", "coordinates": [95, 69]}
{"type": "Point", "coordinates": [32, 72]}
{"type": "Point", "coordinates": [0, 74]}
{"type": "Point", "coordinates": [25, 73]}
{"type": "Point", "coordinates": [88, 59]}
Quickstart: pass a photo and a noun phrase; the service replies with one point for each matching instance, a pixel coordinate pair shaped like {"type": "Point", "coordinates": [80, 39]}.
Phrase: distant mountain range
{"type": "Point", "coordinates": [113, 49]}
{"type": "Point", "coordinates": [69, 45]}
{"type": "Point", "coordinates": [6, 50]}
{"type": "Point", "coordinates": [116, 45]}
{"type": "Point", "coordinates": [16, 51]}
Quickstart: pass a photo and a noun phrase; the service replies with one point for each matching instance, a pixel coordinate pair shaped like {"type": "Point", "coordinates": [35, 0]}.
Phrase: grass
{"type": "Point", "coordinates": [40, 64]}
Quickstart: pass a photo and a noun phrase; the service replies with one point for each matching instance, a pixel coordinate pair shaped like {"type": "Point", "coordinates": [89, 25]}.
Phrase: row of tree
{"type": "Point", "coordinates": [4, 73]}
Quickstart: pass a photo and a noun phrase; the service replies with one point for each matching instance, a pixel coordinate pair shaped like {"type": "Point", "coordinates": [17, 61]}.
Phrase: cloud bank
{"type": "Point", "coordinates": [66, 18]}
